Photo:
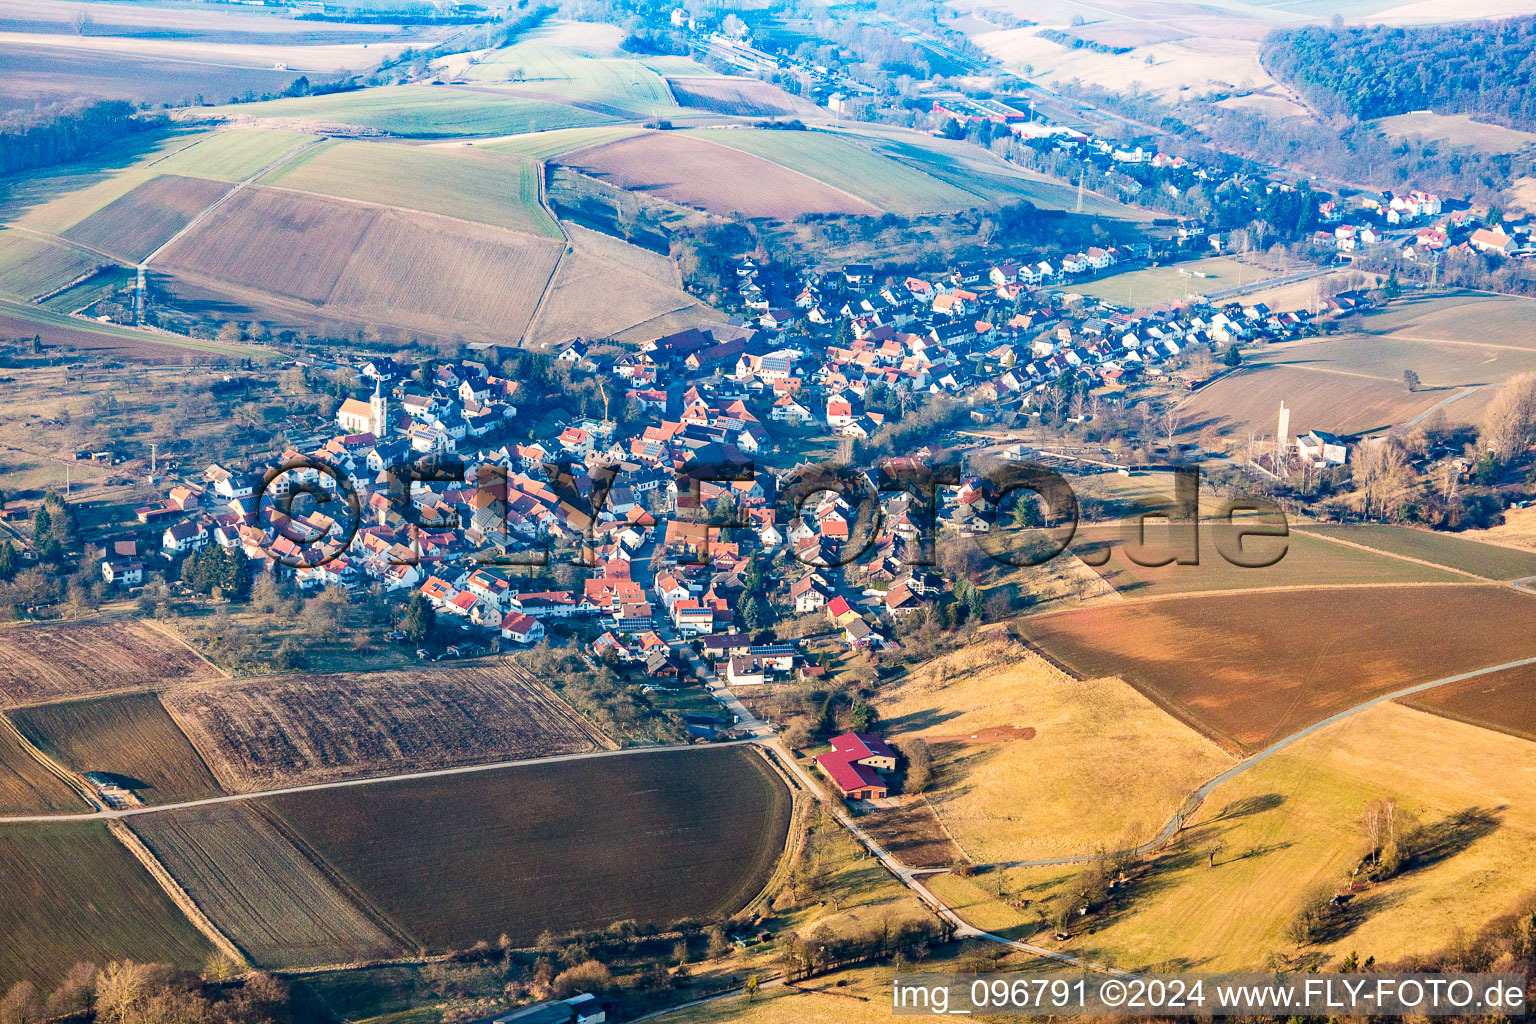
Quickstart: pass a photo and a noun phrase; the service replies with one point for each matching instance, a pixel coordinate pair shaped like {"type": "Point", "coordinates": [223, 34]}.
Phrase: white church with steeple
{"type": "Point", "coordinates": [370, 417]}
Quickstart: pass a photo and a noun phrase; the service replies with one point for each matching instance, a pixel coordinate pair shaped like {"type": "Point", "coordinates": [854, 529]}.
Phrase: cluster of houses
{"type": "Point", "coordinates": [1417, 224]}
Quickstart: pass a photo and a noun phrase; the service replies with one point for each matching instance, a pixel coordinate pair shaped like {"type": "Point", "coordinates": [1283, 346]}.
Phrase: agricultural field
{"type": "Point", "coordinates": [1455, 130]}
{"type": "Point", "coordinates": [51, 662]}
{"type": "Point", "coordinates": [129, 736]}
{"type": "Point", "coordinates": [1339, 403]}
{"type": "Point", "coordinates": [231, 154]}
{"type": "Point", "coordinates": [617, 86]}
{"type": "Point", "coordinates": [31, 266]}
{"type": "Point", "coordinates": [1032, 764]}
{"type": "Point", "coordinates": [74, 893]}
{"type": "Point", "coordinates": [1294, 821]}
{"type": "Point", "coordinates": [413, 271]}
{"type": "Point", "coordinates": [686, 170]}
{"type": "Point", "coordinates": [546, 145]}
{"type": "Point", "coordinates": [605, 286]}
{"type": "Point", "coordinates": [653, 837]}
{"type": "Point", "coordinates": [420, 111]}
{"type": "Point", "coordinates": [1502, 701]}
{"type": "Point", "coordinates": [1441, 366]}
{"type": "Point", "coordinates": [1490, 561]}
{"type": "Point", "coordinates": [738, 97]}
{"type": "Point", "coordinates": [288, 730]}
{"type": "Point", "coordinates": [1249, 669]}
{"type": "Point", "coordinates": [1154, 286]}
{"type": "Point", "coordinates": [259, 890]}
{"type": "Point", "coordinates": [26, 786]}
{"type": "Point", "coordinates": [842, 163]}
{"type": "Point", "coordinates": [468, 184]}
{"type": "Point", "coordinates": [1307, 560]}
{"type": "Point", "coordinates": [73, 335]}
{"type": "Point", "coordinates": [146, 218]}
{"type": "Point", "coordinates": [1466, 319]}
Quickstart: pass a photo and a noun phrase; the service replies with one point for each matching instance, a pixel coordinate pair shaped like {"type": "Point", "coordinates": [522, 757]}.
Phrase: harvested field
{"type": "Point", "coordinates": [1491, 561]}
{"type": "Point", "coordinates": [481, 186]}
{"type": "Point", "coordinates": [695, 173]}
{"type": "Point", "coordinates": [1064, 764]}
{"type": "Point", "coordinates": [407, 270]}
{"type": "Point", "coordinates": [146, 218]}
{"type": "Point", "coordinates": [1335, 402]}
{"type": "Point", "coordinates": [1501, 701]}
{"type": "Point", "coordinates": [1486, 319]}
{"type": "Point", "coordinates": [1250, 668]}
{"type": "Point", "coordinates": [73, 893]}
{"type": "Point", "coordinates": [739, 97]}
{"type": "Point", "coordinates": [129, 736]}
{"type": "Point", "coordinates": [26, 786]}
{"type": "Point", "coordinates": [1293, 822]}
{"type": "Point", "coordinates": [281, 731]}
{"type": "Point", "coordinates": [1307, 561]}
{"type": "Point", "coordinates": [607, 286]}
{"type": "Point", "coordinates": [1441, 365]}
{"type": "Point", "coordinates": [258, 889]}
{"type": "Point", "coordinates": [78, 659]}
{"type": "Point", "coordinates": [912, 833]}
{"type": "Point", "coordinates": [653, 836]}
{"type": "Point", "coordinates": [31, 266]}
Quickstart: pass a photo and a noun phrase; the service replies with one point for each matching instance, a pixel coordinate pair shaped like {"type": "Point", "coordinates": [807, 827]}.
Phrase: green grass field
{"type": "Point", "coordinates": [419, 111]}
{"type": "Point", "coordinates": [130, 736]}
{"type": "Point", "coordinates": [843, 164]}
{"type": "Point", "coordinates": [1156, 285]}
{"type": "Point", "coordinates": [73, 893]}
{"type": "Point", "coordinates": [31, 266]}
{"type": "Point", "coordinates": [543, 145]}
{"type": "Point", "coordinates": [1487, 560]}
{"type": "Point", "coordinates": [538, 68]}
{"type": "Point", "coordinates": [491, 188]}
{"type": "Point", "coordinates": [573, 845]}
{"type": "Point", "coordinates": [233, 154]}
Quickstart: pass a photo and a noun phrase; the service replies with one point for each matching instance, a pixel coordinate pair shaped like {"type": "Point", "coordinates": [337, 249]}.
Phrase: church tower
{"type": "Point", "coordinates": [379, 405]}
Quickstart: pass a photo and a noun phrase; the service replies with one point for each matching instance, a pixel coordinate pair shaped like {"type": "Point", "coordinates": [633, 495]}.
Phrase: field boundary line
{"type": "Point", "coordinates": [179, 896]}
{"type": "Point", "coordinates": [808, 177]}
{"type": "Point", "coordinates": [1477, 581]}
{"type": "Point", "coordinates": [523, 675]}
{"type": "Point", "coordinates": [76, 783]}
{"type": "Point", "coordinates": [172, 635]}
{"type": "Point", "coordinates": [1322, 534]}
{"type": "Point", "coordinates": [566, 246]}
{"type": "Point", "coordinates": [409, 211]}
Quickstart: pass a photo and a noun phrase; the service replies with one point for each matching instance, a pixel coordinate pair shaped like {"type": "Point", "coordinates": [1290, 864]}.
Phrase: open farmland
{"type": "Point", "coordinates": [1467, 319]}
{"type": "Point", "coordinates": [481, 186]}
{"type": "Point", "coordinates": [844, 164]}
{"type": "Point", "coordinates": [1441, 365]}
{"type": "Point", "coordinates": [146, 218]}
{"type": "Point", "coordinates": [605, 287]}
{"type": "Point", "coordinates": [73, 335]}
{"type": "Point", "coordinates": [413, 271]}
{"type": "Point", "coordinates": [1031, 763]}
{"type": "Point", "coordinates": [1491, 561]}
{"type": "Point", "coordinates": [270, 732]}
{"type": "Point", "coordinates": [1502, 701]}
{"type": "Point", "coordinates": [544, 145]}
{"type": "Point", "coordinates": [1294, 821]}
{"type": "Point", "coordinates": [692, 172]}
{"type": "Point", "coordinates": [31, 266]}
{"type": "Point", "coordinates": [1250, 668]}
{"type": "Point", "coordinates": [1307, 561]}
{"type": "Point", "coordinates": [1340, 403]}
{"type": "Point", "coordinates": [1153, 286]}
{"type": "Point", "coordinates": [26, 786]}
{"type": "Point", "coordinates": [739, 97]}
{"type": "Point", "coordinates": [231, 154]}
{"type": "Point", "coordinates": [129, 736]}
{"type": "Point", "coordinates": [259, 890]}
{"type": "Point", "coordinates": [73, 893]}
{"type": "Point", "coordinates": [1456, 130]}
{"type": "Point", "coordinates": [650, 836]}
{"type": "Point", "coordinates": [78, 659]}
{"type": "Point", "coordinates": [419, 111]}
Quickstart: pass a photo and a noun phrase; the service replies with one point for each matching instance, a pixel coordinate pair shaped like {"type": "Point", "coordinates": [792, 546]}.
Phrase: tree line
{"type": "Point", "coordinates": [61, 133]}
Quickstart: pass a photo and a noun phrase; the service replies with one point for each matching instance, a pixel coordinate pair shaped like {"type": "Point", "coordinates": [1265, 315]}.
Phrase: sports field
{"type": "Point", "coordinates": [1249, 668]}
{"type": "Point", "coordinates": [1294, 821]}
{"type": "Point", "coordinates": [128, 736]}
{"type": "Point", "coordinates": [466, 183]}
{"type": "Point", "coordinates": [77, 659]}
{"type": "Point", "coordinates": [844, 164]}
{"type": "Point", "coordinates": [259, 890]}
{"type": "Point", "coordinates": [286, 730]}
{"type": "Point", "coordinates": [420, 111]}
{"type": "Point", "coordinates": [73, 893]}
{"type": "Point", "coordinates": [652, 837]}
{"type": "Point", "coordinates": [1154, 286]}
{"type": "Point", "coordinates": [1032, 764]}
